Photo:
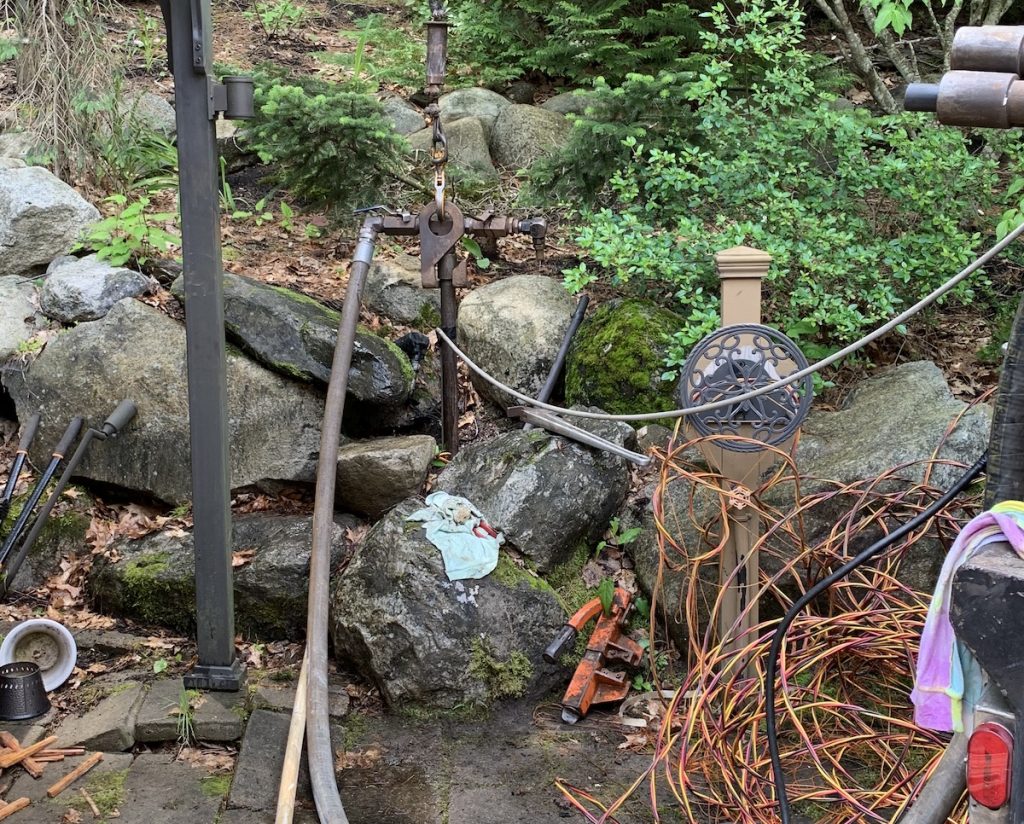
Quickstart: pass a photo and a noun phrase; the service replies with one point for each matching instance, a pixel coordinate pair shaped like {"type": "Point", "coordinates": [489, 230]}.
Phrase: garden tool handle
{"type": "Point", "coordinates": [68, 438]}
{"type": "Point", "coordinates": [30, 433]}
{"type": "Point", "coordinates": [120, 418]}
{"type": "Point", "coordinates": [563, 642]}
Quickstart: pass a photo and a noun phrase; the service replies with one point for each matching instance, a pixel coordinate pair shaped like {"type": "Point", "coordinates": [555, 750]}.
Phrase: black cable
{"type": "Point", "coordinates": [780, 631]}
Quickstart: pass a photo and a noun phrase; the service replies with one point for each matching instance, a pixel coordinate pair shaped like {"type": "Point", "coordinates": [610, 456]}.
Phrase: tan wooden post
{"type": "Point", "coordinates": [740, 270]}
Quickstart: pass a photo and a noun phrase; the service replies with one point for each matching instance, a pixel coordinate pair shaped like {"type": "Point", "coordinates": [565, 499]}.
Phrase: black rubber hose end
{"type": "Point", "coordinates": [68, 438]}
{"type": "Point", "coordinates": [120, 417]}
{"type": "Point", "coordinates": [563, 641]}
{"type": "Point", "coordinates": [921, 97]}
{"type": "Point", "coordinates": [29, 433]}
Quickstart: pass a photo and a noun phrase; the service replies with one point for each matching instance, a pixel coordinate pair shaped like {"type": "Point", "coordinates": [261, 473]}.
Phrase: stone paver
{"type": "Point", "coordinates": [216, 716]}
{"type": "Point", "coordinates": [51, 810]}
{"type": "Point", "coordinates": [281, 699]}
{"type": "Point", "coordinates": [109, 726]}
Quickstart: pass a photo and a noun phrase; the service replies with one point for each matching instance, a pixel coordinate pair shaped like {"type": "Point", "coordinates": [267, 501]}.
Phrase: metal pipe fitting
{"type": "Point", "coordinates": [988, 49]}
{"type": "Point", "coordinates": [980, 99]}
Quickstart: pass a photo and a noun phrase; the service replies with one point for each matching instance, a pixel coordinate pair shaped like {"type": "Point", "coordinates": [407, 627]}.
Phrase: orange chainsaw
{"type": "Point", "coordinates": [593, 682]}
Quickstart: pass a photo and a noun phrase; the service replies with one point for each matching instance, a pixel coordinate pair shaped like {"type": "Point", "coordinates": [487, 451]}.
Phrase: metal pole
{"type": "Point", "coordinates": [218, 667]}
{"type": "Point", "coordinates": [449, 362]}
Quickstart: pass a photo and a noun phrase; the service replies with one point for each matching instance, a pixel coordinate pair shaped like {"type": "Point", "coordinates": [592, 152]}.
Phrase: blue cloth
{"type": "Point", "coordinates": [469, 546]}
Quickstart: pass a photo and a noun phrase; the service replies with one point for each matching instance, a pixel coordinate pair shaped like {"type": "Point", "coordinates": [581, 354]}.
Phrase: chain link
{"type": "Point", "coordinates": [439, 158]}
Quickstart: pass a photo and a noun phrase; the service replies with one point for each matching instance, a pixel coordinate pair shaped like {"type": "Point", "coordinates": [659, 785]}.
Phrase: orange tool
{"type": "Point", "coordinates": [593, 683]}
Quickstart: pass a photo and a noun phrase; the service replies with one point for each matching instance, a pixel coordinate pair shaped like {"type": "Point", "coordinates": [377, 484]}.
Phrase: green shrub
{"type": "Point", "coordinates": [331, 141]}
{"type": "Point", "coordinates": [573, 39]}
{"type": "Point", "coordinates": [862, 215]}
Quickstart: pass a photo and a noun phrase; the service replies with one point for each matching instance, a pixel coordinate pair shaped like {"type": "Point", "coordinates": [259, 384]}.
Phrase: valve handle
{"type": "Point", "coordinates": [120, 418]}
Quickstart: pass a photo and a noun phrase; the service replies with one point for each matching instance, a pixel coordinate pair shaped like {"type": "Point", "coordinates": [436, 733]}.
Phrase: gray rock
{"type": "Point", "coordinates": [159, 788]}
{"type": "Point", "coordinates": [152, 112]}
{"type": "Point", "coordinates": [280, 698]}
{"type": "Point", "coordinates": [259, 764]}
{"type": "Point", "coordinates": [215, 716]}
{"type": "Point", "coordinates": [405, 117]}
{"type": "Point", "coordinates": [522, 91]}
{"type": "Point", "coordinates": [234, 145]}
{"type": "Point", "coordinates": [574, 102]}
{"type": "Point", "coordinates": [109, 726]}
{"type": "Point", "coordinates": [467, 148]}
{"type": "Point", "coordinates": [375, 475]}
{"type": "Point", "coordinates": [19, 317]}
{"type": "Point", "coordinates": [41, 217]}
{"type": "Point", "coordinates": [153, 579]}
{"type": "Point", "coordinates": [50, 810]}
{"type": "Point", "coordinates": [544, 493]}
{"type": "Point", "coordinates": [19, 146]}
{"type": "Point", "coordinates": [522, 135]}
{"type": "Point", "coordinates": [12, 163]}
{"type": "Point", "coordinates": [138, 352]}
{"type": "Point", "coordinates": [85, 288]}
{"type": "Point", "coordinates": [482, 104]}
{"type": "Point", "coordinates": [432, 643]}
{"type": "Point", "coordinates": [295, 335]}
{"type": "Point", "coordinates": [897, 417]}
{"type": "Point", "coordinates": [394, 290]}
{"type": "Point", "coordinates": [513, 328]}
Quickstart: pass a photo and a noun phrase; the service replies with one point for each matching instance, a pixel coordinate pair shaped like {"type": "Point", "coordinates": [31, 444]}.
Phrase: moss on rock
{"type": "Point", "coordinates": [618, 357]}
{"type": "Point", "coordinates": [503, 679]}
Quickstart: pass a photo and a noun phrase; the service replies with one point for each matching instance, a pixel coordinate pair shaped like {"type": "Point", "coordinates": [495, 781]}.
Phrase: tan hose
{"type": "Point", "coordinates": [293, 753]}
{"type": "Point", "coordinates": [318, 730]}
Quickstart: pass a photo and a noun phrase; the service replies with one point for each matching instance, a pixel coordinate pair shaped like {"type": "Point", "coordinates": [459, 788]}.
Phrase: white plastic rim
{"type": "Point", "coordinates": [43, 642]}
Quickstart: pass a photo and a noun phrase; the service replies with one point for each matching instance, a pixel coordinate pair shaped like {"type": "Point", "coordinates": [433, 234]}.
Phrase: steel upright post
{"type": "Point", "coordinates": [218, 666]}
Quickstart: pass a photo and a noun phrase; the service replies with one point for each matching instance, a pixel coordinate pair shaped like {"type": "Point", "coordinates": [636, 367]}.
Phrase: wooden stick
{"type": "Point", "coordinates": [30, 765]}
{"type": "Point", "coordinates": [75, 774]}
{"type": "Point", "coordinates": [90, 802]}
{"type": "Point", "coordinates": [64, 751]}
{"type": "Point", "coordinates": [45, 757]}
{"type": "Point", "coordinates": [12, 758]}
{"type": "Point", "coordinates": [10, 809]}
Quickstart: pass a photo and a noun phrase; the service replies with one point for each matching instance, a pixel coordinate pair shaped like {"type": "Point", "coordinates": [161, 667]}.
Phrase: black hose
{"type": "Point", "coordinates": [27, 436]}
{"type": "Point", "coordinates": [779, 636]}
{"type": "Point", "coordinates": [1006, 443]}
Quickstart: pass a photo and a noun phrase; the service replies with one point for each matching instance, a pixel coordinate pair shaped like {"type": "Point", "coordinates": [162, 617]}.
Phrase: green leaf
{"type": "Point", "coordinates": [159, 665]}
{"type": "Point", "coordinates": [606, 592]}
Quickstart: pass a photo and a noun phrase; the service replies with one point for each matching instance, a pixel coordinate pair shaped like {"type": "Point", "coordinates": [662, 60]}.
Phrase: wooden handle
{"type": "Point", "coordinates": [10, 809]}
{"type": "Point", "coordinates": [11, 758]}
{"type": "Point", "coordinates": [75, 774]}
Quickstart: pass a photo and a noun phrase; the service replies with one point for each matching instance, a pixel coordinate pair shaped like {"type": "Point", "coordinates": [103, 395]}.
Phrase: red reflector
{"type": "Point", "coordinates": [989, 759]}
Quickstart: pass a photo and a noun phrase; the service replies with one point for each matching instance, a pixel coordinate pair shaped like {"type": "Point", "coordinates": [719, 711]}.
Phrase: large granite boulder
{"type": "Point", "coordinates": [893, 424]}
{"type": "Point", "coordinates": [546, 494]}
{"type": "Point", "coordinates": [522, 135]}
{"type": "Point", "coordinates": [481, 104]}
{"type": "Point", "coordinates": [295, 335]}
{"type": "Point", "coordinates": [394, 289]}
{"type": "Point", "coordinates": [138, 352]}
{"type": "Point", "coordinates": [78, 289]}
{"type": "Point", "coordinates": [152, 579]}
{"type": "Point", "coordinates": [375, 475]}
{"type": "Point", "coordinates": [41, 217]}
{"type": "Point", "coordinates": [405, 117]}
{"type": "Point", "coordinates": [19, 316]}
{"type": "Point", "coordinates": [434, 644]}
{"type": "Point", "coordinates": [513, 328]}
{"type": "Point", "coordinates": [574, 102]}
{"type": "Point", "coordinates": [469, 155]}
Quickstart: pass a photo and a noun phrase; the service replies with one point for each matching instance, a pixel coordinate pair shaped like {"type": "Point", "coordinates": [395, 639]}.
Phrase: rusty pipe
{"type": "Point", "coordinates": [988, 100]}
{"type": "Point", "coordinates": [988, 49]}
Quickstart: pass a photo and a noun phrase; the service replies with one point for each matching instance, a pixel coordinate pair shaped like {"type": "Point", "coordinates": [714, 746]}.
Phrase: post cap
{"type": "Point", "coordinates": [742, 262]}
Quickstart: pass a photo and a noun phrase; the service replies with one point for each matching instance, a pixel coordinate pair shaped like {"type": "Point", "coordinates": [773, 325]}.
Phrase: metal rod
{"type": "Point", "coordinates": [449, 361]}
{"type": "Point", "coordinates": [553, 423]}
{"type": "Point", "coordinates": [218, 666]}
{"type": "Point", "coordinates": [563, 352]}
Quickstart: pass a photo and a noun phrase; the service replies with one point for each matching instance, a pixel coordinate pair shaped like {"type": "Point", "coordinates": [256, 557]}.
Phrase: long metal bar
{"type": "Point", "coordinates": [548, 389]}
{"type": "Point", "coordinates": [449, 361]}
{"type": "Point", "coordinates": [218, 666]}
{"type": "Point", "coordinates": [552, 423]}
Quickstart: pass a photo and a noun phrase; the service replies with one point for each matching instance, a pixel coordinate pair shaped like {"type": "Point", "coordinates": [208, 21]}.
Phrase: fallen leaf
{"type": "Point", "coordinates": [242, 557]}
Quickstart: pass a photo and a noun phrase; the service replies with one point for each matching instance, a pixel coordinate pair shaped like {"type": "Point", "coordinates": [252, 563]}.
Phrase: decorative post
{"type": "Point", "coordinates": [740, 357]}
